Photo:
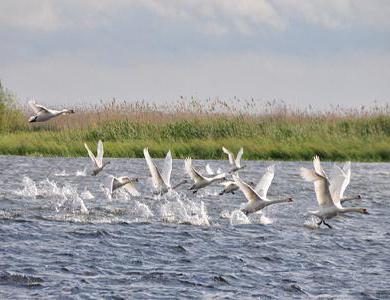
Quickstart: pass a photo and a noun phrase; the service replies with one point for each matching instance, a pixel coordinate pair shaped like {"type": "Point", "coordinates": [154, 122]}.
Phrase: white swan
{"type": "Point", "coordinates": [339, 182]}
{"type": "Point", "coordinates": [98, 160]}
{"type": "Point", "coordinates": [43, 114]}
{"type": "Point", "coordinates": [125, 182]}
{"type": "Point", "coordinates": [161, 180]}
{"type": "Point", "coordinates": [200, 181]}
{"type": "Point", "coordinates": [328, 207]}
{"type": "Point", "coordinates": [234, 162]}
{"type": "Point", "coordinates": [261, 188]}
{"type": "Point", "coordinates": [256, 199]}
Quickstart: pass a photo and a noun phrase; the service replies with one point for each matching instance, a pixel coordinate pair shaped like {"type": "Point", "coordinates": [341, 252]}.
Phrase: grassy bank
{"type": "Point", "coordinates": [199, 129]}
{"type": "Point", "coordinates": [263, 137]}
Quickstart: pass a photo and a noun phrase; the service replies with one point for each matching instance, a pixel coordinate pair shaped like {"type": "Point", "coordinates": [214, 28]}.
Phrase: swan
{"type": "Point", "coordinates": [161, 180]}
{"type": "Point", "coordinates": [339, 182]}
{"type": "Point", "coordinates": [328, 207]}
{"type": "Point", "coordinates": [261, 188]}
{"type": "Point", "coordinates": [125, 182]}
{"type": "Point", "coordinates": [43, 114]}
{"type": "Point", "coordinates": [98, 160]}
{"type": "Point", "coordinates": [234, 162]}
{"type": "Point", "coordinates": [257, 199]}
{"type": "Point", "coordinates": [199, 180]}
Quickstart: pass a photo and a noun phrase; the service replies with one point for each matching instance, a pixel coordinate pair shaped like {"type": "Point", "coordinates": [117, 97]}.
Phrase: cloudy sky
{"type": "Point", "coordinates": [319, 52]}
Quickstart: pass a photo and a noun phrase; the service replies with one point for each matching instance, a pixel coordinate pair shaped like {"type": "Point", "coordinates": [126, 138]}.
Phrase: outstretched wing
{"type": "Point", "coordinates": [37, 108]}
{"type": "Point", "coordinates": [265, 182]}
{"type": "Point", "coordinates": [321, 186]}
{"type": "Point", "coordinates": [157, 179]}
{"type": "Point", "coordinates": [195, 176]}
{"type": "Point", "coordinates": [248, 192]}
{"type": "Point", "coordinates": [339, 181]}
{"type": "Point", "coordinates": [167, 169]}
{"type": "Point", "coordinates": [131, 189]}
{"type": "Point", "coordinates": [100, 152]}
{"type": "Point", "coordinates": [93, 158]}
{"type": "Point", "coordinates": [238, 157]}
{"type": "Point", "coordinates": [230, 155]}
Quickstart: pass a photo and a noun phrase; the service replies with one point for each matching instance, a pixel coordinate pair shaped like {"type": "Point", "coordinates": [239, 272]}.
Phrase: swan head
{"type": "Point", "coordinates": [33, 119]}
{"type": "Point", "coordinates": [364, 211]}
{"type": "Point", "coordinates": [289, 199]}
{"type": "Point", "coordinates": [359, 197]}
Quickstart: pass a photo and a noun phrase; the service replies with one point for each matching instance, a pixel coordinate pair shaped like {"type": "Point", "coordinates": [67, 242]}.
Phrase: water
{"type": "Point", "coordinates": [62, 235]}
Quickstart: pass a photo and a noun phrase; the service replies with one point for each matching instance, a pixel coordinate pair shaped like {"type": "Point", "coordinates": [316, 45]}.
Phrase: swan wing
{"type": "Point", "coordinates": [167, 169]}
{"type": "Point", "coordinates": [247, 190]}
{"type": "Point", "coordinates": [93, 158]}
{"type": "Point", "coordinates": [347, 171]}
{"type": "Point", "coordinates": [100, 152]}
{"type": "Point", "coordinates": [37, 108]}
{"type": "Point", "coordinates": [321, 186]}
{"type": "Point", "coordinates": [191, 171]}
{"type": "Point", "coordinates": [265, 182]}
{"type": "Point", "coordinates": [130, 187]}
{"type": "Point", "coordinates": [209, 170]}
{"type": "Point", "coordinates": [337, 184]}
{"type": "Point", "coordinates": [238, 157]}
{"type": "Point", "coordinates": [156, 175]}
{"type": "Point", "coordinates": [230, 155]}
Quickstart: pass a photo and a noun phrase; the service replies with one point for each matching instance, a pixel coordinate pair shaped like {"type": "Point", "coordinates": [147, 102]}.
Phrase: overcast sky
{"type": "Point", "coordinates": [317, 52]}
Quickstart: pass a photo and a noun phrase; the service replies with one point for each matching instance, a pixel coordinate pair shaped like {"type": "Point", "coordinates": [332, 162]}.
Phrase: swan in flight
{"type": "Point", "coordinates": [328, 207]}
{"type": "Point", "coordinates": [125, 182]}
{"type": "Point", "coordinates": [339, 182]}
{"type": "Point", "coordinates": [42, 114]}
{"type": "Point", "coordinates": [98, 160]}
{"type": "Point", "coordinates": [234, 162]}
{"type": "Point", "coordinates": [161, 180]}
{"type": "Point", "coordinates": [257, 198]}
{"type": "Point", "coordinates": [261, 188]}
{"type": "Point", "coordinates": [199, 180]}
{"type": "Point", "coordinates": [211, 172]}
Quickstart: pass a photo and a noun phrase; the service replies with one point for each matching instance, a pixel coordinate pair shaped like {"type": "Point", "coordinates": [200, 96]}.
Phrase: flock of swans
{"type": "Point", "coordinates": [329, 191]}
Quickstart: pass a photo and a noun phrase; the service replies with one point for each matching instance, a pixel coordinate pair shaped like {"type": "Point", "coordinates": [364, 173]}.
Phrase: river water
{"type": "Point", "coordinates": [63, 235]}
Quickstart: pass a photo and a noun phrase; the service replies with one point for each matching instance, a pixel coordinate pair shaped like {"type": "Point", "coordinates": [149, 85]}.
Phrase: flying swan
{"type": "Point", "coordinates": [161, 180]}
{"type": "Point", "coordinates": [127, 183]}
{"type": "Point", "coordinates": [98, 160]}
{"type": "Point", "coordinates": [43, 114]}
{"type": "Point", "coordinates": [234, 162]}
{"type": "Point", "coordinates": [200, 181]}
{"type": "Point", "coordinates": [257, 198]}
{"type": "Point", "coordinates": [328, 207]}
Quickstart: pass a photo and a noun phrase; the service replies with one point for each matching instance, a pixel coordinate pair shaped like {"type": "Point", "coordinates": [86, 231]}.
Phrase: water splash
{"type": "Point", "coordinates": [71, 201]}
{"type": "Point", "coordinates": [61, 174]}
{"type": "Point", "coordinates": [87, 195]}
{"type": "Point", "coordinates": [29, 188]}
{"type": "Point", "coordinates": [81, 172]}
{"type": "Point", "coordinates": [182, 210]}
{"type": "Point", "coordinates": [237, 217]}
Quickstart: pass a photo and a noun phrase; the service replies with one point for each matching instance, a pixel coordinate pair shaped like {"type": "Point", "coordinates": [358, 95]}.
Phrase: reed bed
{"type": "Point", "coordinates": [191, 127]}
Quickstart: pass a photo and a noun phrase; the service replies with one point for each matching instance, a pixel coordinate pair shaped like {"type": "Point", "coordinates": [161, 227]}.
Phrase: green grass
{"type": "Point", "coordinates": [358, 139]}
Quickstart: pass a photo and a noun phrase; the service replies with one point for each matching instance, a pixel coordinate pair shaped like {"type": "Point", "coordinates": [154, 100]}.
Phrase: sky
{"type": "Point", "coordinates": [302, 52]}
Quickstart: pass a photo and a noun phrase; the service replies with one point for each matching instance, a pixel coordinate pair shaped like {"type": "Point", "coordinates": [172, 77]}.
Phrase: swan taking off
{"type": "Point", "coordinates": [200, 181]}
{"type": "Point", "coordinates": [43, 114]}
{"type": "Point", "coordinates": [257, 198]}
{"type": "Point", "coordinates": [261, 188]}
{"type": "Point", "coordinates": [339, 181]}
{"type": "Point", "coordinates": [125, 182]}
{"type": "Point", "coordinates": [98, 160]}
{"type": "Point", "coordinates": [161, 180]}
{"type": "Point", "coordinates": [234, 162]}
{"type": "Point", "coordinates": [328, 207]}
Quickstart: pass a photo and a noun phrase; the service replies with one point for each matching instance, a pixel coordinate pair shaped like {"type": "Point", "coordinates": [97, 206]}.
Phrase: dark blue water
{"type": "Point", "coordinates": [62, 236]}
